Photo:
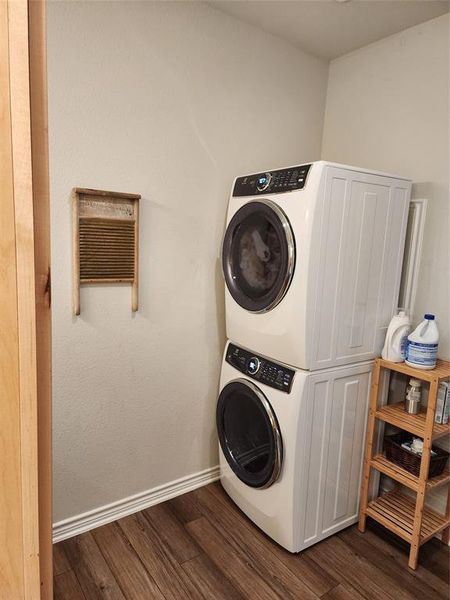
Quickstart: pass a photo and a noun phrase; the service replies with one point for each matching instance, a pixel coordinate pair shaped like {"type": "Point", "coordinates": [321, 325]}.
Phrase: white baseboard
{"type": "Point", "coordinates": [127, 506]}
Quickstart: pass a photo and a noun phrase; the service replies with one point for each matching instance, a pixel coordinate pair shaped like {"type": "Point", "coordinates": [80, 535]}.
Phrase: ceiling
{"type": "Point", "coordinates": [331, 28]}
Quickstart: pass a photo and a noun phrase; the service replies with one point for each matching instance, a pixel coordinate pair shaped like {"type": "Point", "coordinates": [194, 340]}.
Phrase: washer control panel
{"type": "Point", "coordinates": [274, 182]}
{"type": "Point", "coordinates": [260, 369]}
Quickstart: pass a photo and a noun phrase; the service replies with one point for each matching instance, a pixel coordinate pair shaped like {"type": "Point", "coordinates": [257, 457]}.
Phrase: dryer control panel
{"type": "Point", "coordinates": [260, 369]}
{"type": "Point", "coordinates": [274, 182]}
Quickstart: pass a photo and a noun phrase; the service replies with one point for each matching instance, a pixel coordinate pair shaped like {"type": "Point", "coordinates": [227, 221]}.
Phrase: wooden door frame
{"type": "Point", "coordinates": [25, 318]}
{"type": "Point", "coordinates": [41, 207]}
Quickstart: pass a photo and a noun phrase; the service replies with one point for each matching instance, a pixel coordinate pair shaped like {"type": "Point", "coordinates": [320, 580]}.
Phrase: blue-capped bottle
{"type": "Point", "coordinates": [422, 348]}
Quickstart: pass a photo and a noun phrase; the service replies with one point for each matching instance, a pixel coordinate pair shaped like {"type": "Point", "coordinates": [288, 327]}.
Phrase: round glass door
{"type": "Point", "coordinates": [258, 255]}
{"type": "Point", "coordinates": [249, 434]}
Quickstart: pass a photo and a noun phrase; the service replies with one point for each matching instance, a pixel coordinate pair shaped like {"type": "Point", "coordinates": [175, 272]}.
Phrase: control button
{"type": "Point", "coordinates": [263, 182]}
{"type": "Point", "coordinates": [253, 365]}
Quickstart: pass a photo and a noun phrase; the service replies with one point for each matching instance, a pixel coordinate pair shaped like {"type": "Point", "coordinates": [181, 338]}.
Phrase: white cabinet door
{"type": "Point", "coordinates": [332, 448]}
{"type": "Point", "coordinates": [360, 239]}
{"type": "Point", "coordinates": [346, 428]}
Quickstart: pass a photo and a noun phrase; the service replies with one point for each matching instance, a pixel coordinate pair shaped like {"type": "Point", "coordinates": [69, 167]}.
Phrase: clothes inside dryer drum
{"type": "Point", "coordinates": [258, 256]}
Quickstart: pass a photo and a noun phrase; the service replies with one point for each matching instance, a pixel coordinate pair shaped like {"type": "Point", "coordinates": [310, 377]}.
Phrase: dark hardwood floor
{"type": "Point", "coordinates": [201, 546]}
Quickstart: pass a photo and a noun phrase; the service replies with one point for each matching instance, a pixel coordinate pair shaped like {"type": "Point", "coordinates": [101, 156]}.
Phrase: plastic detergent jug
{"type": "Point", "coordinates": [396, 338]}
{"type": "Point", "coordinates": [423, 344]}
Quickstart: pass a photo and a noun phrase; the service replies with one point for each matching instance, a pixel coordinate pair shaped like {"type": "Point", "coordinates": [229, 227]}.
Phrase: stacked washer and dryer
{"type": "Point", "coordinates": [312, 258]}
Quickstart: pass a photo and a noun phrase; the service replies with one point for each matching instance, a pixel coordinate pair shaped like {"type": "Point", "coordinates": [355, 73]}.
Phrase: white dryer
{"type": "Point", "coordinates": [312, 259]}
{"type": "Point", "coordinates": [291, 444]}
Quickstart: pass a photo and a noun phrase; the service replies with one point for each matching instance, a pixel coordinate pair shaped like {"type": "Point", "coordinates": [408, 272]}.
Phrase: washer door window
{"type": "Point", "coordinates": [258, 255]}
{"type": "Point", "coordinates": [249, 434]}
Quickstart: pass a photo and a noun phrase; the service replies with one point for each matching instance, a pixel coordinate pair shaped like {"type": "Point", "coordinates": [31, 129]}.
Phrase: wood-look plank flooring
{"type": "Point", "coordinates": [200, 546]}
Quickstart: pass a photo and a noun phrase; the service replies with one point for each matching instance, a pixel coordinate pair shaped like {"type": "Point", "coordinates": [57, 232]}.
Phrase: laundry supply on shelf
{"type": "Point", "coordinates": [394, 348]}
{"type": "Point", "coordinates": [421, 351]}
{"type": "Point", "coordinates": [416, 446]}
{"type": "Point", "coordinates": [413, 396]}
{"type": "Point", "coordinates": [443, 403]}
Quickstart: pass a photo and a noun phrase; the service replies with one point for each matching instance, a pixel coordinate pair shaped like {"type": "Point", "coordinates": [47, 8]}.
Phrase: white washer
{"type": "Point", "coordinates": [312, 259]}
{"type": "Point", "coordinates": [291, 445]}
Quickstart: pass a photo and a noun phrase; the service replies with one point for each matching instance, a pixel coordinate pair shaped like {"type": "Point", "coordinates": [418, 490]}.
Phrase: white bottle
{"type": "Point", "coordinates": [423, 345]}
{"type": "Point", "coordinates": [394, 348]}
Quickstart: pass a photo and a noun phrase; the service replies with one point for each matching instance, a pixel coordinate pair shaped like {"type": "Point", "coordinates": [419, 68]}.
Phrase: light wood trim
{"type": "Point", "coordinates": [24, 224]}
{"type": "Point", "coordinates": [11, 542]}
{"type": "Point", "coordinates": [41, 205]}
{"type": "Point", "coordinates": [120, 195]}
{"type": "Point", "coordinates": [75, 256]}
{"type": "Point", "coordinates": [135, 285]}
{"type": "Point", "coordinates": [19, 500]}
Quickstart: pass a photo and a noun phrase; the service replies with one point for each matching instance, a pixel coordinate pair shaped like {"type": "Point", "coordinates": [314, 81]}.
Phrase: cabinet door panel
{"type": "Point", "coordinates": [331, 442]}
{"type": "Point", "coordinates": [345, 448]}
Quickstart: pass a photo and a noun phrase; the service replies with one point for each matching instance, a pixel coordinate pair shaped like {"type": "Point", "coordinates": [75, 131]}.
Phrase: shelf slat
{"type": "Point", "coordinates": [385, 466]}
{"type": "Point", "coordinates": [439, 480]}
{"type": "Point", "coordinates": [394, 414]}
{"type": "Point", "coordinates": [442, 370]}
{"type": "Point", "coordinates": [395, 511]}
{"type": "Point", "coordinates": [401, 475]}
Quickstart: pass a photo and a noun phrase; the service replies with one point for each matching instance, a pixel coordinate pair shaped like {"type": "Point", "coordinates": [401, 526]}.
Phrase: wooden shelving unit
{"type": "Point", "coordinates": [407, 517]}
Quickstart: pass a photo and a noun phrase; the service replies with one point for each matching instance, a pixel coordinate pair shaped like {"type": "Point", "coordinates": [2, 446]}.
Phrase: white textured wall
{"type": "Point", "coordinates": [169, 100]}
{"type": "Point", "coordinates": [388, 108]}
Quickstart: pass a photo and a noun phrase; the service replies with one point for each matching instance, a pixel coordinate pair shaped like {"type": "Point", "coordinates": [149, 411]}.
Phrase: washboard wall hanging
{"type": "Point", "coordinates": [105, 240]}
